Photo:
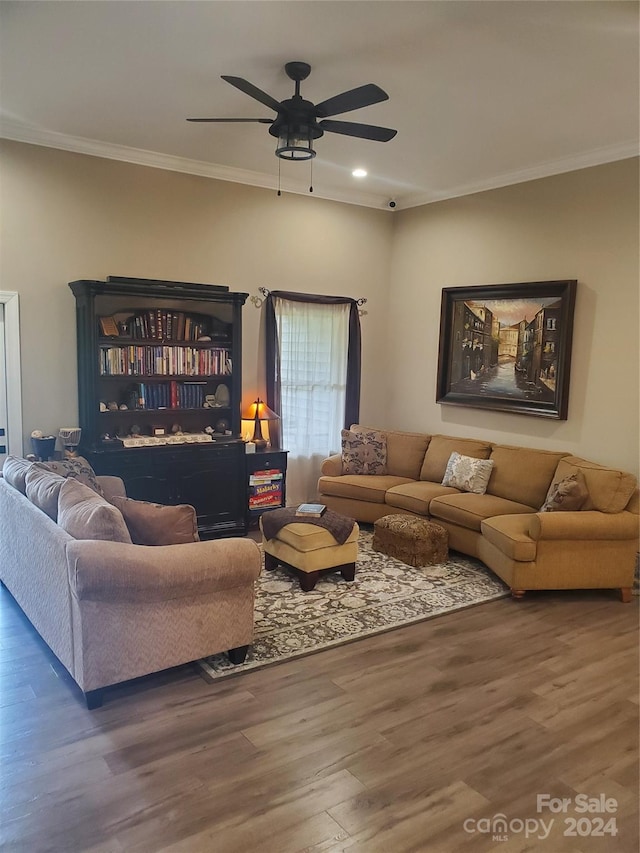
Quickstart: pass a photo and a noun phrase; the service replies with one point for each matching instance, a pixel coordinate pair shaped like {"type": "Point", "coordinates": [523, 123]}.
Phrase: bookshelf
{"type": "Point", "coordinates": [159, 388]}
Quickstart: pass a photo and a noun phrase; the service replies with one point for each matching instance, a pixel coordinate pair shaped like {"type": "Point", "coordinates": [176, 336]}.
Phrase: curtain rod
{"type": "Point", "coordinates": [258, 300]}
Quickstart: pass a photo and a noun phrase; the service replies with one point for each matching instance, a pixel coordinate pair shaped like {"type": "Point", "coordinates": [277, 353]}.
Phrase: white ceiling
{"type": "Point", "coordinates": [483, 94]}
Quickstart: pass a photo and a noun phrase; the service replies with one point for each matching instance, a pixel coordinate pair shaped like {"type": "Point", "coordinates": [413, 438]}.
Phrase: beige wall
{"type": "Point", "coordinates": [66, 216]}
{"type": "Point", "coordinates": [581, 225]}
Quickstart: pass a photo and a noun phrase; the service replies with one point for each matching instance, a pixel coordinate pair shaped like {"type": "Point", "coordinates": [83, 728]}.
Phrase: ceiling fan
{"type": "Point", "coordinates": [299, 122]}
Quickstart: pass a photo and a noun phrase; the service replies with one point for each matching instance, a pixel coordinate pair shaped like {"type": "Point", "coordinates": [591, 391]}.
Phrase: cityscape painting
{"type": "Point", "coordinates": [507, 347]}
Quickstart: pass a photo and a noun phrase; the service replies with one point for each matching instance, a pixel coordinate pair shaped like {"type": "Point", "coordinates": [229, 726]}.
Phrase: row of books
{"type": "Point", "coordinates": [158, 324]}
{"type": "Point", "coordinates": [171, 395]}
{"type": "Point", "coordinates": [134, 360]}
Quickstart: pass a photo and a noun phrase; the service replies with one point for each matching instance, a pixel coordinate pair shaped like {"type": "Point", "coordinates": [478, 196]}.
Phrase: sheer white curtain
{"type": "Point", "coordinates": [313, 341]}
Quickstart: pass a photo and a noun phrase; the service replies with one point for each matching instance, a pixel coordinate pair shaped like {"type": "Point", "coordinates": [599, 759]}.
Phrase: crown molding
{"type": "Point", "coordinates": [595, 157]}
{"type": "Point", "coordinates": [18, 132]}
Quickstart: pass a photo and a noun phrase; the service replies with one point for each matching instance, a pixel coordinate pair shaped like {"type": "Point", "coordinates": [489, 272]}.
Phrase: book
{"type": "Point", "coordinates": [311, 510]}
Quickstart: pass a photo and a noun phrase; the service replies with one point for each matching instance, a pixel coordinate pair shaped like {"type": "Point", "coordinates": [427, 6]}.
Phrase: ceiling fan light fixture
{"type": "Point", "coordinates": [359, 173]}
{"type": "Point", "coordinates": [295, 142]}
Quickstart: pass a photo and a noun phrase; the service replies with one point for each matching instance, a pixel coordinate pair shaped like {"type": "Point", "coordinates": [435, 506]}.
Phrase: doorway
{"type": "Point", "coordinates": [10, 381]}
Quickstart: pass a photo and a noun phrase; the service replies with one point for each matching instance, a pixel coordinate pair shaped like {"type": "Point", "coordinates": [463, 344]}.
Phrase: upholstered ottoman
{"type": "Point", "coordinates": [415, 541]}
{"type": "Point", "coordinates": [310, 551]}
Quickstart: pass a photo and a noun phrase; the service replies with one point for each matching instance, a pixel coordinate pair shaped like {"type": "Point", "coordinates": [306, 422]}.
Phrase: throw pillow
{"type": "Point", "coordinates": [156, 524]}
{"type": "Point", "coordinates": [43, 488]}
{"type": "Point", "coordinates": [14, 471]}
{"type": "Point", "coordinates": [567, 495]}
{"type": "Point", "coordinates": [364, 452]}
{"type": "Point", "coordinates": [76, 467]}
{"type": "Point", "coordinates": [86, 515]}
{"type": "Point", "coordinates": [467, 473]}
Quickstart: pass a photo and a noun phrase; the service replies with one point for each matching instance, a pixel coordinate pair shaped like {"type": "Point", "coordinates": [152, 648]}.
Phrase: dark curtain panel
{"type": "Point", "coordinates": [352, 403]}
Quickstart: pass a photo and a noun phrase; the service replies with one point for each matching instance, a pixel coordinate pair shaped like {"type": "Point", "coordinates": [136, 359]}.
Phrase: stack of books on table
{"type": "Point", "coordinates": [310, 510]}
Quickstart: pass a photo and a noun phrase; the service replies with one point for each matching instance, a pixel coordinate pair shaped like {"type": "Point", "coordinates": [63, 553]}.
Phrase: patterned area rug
{"type": "Point", "coordinates": [385, 594]}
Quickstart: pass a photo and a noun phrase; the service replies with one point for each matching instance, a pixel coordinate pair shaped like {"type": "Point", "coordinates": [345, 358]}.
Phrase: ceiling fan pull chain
{"type": "Point", "coordinates": [279, 163]}
{"type": "Point", "coordinates": [310, 176]}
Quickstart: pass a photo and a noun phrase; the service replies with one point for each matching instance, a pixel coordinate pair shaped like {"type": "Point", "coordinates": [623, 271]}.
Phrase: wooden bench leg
{"type": "Point", "coordinates": [348, 571]}
{"type": "Point", "coordinates": [270, 562]}
{"type": "Point", "coordinates": [625, 594]}
{"type": "Point", "coordinates": [517, 593]}
{"type": "Point", "coordinates": [308, 580]}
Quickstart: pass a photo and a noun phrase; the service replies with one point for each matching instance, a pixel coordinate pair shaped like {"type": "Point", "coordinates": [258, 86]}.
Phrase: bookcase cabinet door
{"type": "Point", "coordinates": [210, 478]}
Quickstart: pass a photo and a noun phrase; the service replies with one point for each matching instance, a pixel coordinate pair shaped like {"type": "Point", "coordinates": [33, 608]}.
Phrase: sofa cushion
{"type": "Point", "coordinates": [467, 474]}
{"type": "Point", "coordinates": [364, 452]}
{"type": "Point", "coordinates": [417, 496]}
{"type": "Point", "coordinates": [439, 452]}
{"type": "Point", "coordinates": [609, 489]}
{"type": "Point", "coordinates": [405, 452]}
{"type": "Point", "coordinates": [468, 510]}
{"type": "Point", "coordinates": [522, 474]}
{"type": "Point", "coordinates": [156, 524]}
{"type": "Point", "coordinates": [14, 471]}
{"type": "Point", "coordinates": [42, 489]}
{"type": "Point", "coordinates": [359, 487]}
{"type": "Point", "coordinates": [76, 467]}
{"type": "Point", "coordinates": [86, 515]}
{"type": "Point", "coordinates": [566, 495]}
{"type": "Point", "coordinates": [510, 534]}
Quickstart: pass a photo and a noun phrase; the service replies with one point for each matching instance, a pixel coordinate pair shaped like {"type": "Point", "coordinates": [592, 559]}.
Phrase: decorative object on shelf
{"type": "Point", "coordinates": [222, 425]}
{"type": "Point", "coordinates": [507, 347]}
{"type": "Point", "coordinates": [258, 412]}
{"type": "Point", "coordinates": [70, 437]}
{"type": "Point", "coordinates": [43, 445]}
{"type": "Point", "coordinates": [223, 397]}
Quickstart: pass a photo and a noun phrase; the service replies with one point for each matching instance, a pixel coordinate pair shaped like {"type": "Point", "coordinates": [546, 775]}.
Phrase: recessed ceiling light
{"type": "Point", "coordinates": [359, 173]}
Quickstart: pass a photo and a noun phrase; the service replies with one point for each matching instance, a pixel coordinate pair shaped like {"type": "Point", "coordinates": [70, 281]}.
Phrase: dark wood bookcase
{"type": "Point", "coordinates": [159, 388]}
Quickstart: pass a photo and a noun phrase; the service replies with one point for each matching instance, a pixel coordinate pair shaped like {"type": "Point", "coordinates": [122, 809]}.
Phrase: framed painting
{"type": "Point", "coordinates": [507, 347]}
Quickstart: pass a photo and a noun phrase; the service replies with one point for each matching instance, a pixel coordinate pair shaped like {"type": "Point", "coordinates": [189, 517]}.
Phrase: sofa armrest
{"type": "Point", "coordinates": [583, 525]}
{"type": "Point", "coordinates": [332, 466]}
{"type": "Point", "coordinates": [115, 571]}
{"type": "Point", "coordinates": [111, 486]}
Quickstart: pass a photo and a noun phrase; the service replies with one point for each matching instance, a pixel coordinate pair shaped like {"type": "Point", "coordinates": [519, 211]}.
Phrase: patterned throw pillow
{"type": "Point", "coordinates": [567, 495]}
{"type": "Point", "coordinates": [364, 452]}
{"type": "Point", "coordinates": [76, 467]}
{"type": "Point", "coordinates": [156, 524]}
{"type": "Point", "coordinates": [467, 473]}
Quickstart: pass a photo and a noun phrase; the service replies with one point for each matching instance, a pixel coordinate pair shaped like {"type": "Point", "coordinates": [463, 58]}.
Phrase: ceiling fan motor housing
{"type": "Point", "coordinates": [295, 128]}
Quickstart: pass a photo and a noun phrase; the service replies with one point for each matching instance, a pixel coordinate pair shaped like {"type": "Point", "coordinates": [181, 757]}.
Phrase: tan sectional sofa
{"type": "Point", "coordinates": [595, 547]}
{"type": "Point", "coordinates": [111, 610]}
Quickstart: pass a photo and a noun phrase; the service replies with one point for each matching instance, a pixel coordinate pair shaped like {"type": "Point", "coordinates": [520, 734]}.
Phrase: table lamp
{"type": "Point", "coordinates": [257, 412]}
{"type": "Point", "coordinates": [70, 437]}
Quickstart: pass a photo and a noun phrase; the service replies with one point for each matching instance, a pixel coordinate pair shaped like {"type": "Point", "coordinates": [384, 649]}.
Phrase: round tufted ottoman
{"type": "Point", "coordinates": [415, 541]}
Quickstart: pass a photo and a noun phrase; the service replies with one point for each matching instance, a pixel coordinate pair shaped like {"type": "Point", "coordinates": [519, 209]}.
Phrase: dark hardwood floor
{"type": "Point", "coordinates": [410, 741]}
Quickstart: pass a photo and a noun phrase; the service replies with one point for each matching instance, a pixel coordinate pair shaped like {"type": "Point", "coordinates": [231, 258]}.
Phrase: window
{"type": "Point", "coordinates": [313, 380]}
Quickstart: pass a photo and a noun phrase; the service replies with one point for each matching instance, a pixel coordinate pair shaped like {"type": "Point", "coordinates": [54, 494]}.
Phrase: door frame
{"type": "Point", "coordinates": [12, 369]}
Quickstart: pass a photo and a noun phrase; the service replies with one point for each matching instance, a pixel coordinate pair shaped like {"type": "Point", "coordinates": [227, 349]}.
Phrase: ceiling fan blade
{"type": "Point", "coordinates": [261, 120]}
{"type": "Point", "coordinates": [363, 96]}
{"type": "Point", "coordinates": [363, 131]}
{"type": "Point", "coordinates": [253, 92]}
